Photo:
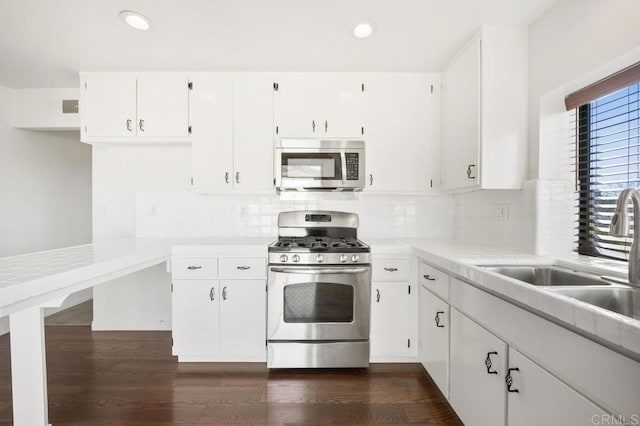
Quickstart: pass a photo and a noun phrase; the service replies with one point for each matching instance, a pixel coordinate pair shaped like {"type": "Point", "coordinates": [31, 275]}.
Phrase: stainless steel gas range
{"type": "Point", "coordinates": [319, 292]}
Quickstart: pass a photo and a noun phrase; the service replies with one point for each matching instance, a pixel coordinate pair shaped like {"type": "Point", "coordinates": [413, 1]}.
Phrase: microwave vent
{"type": "Point", "coordinates": [70, 106]}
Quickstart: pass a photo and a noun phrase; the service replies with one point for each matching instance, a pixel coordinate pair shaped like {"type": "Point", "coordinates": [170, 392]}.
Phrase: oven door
{"type": "Point", "coordinates": [311, 303]}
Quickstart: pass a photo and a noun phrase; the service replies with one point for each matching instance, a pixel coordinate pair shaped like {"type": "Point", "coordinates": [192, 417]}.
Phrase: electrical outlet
{"type": "Point", "coordinates": [501, 212]}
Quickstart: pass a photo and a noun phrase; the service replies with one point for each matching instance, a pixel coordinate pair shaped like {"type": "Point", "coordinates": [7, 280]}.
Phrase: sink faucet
{"type": "Point", "coordinates": [620, 228]}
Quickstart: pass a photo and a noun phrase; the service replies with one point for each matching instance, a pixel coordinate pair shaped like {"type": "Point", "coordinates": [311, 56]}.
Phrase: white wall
{"type": "Point", "coordinates": [45, 188]}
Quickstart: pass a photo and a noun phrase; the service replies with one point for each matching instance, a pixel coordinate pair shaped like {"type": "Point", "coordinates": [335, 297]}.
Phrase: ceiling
{"type": "Point", "coordinates": [44, 43]}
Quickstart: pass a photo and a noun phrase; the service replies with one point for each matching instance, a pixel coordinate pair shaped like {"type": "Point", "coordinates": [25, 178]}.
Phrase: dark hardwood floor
{"type": "Point", "coordinates": [130, 378]}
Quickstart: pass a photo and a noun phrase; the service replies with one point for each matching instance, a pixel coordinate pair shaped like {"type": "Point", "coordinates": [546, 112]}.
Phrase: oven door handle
{"type": "Point", "coordinates": [315, 271]}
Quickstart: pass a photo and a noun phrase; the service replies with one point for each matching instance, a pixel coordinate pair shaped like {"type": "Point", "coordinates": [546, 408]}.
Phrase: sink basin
{"type": "Point", "coordinates": [541, 275]}
{"type": "Point", "coordinates": [623, 300]}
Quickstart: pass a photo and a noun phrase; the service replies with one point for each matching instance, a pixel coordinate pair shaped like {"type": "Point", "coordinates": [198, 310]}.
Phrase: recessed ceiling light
{"type": "Point", "coordinates": [363, 30]}
{"type": "Point", "coordinates": [135, 20]}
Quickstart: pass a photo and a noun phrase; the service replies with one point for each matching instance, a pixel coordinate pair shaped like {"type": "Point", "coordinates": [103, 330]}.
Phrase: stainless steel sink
{"type": "Point", "coordinates": [623, 300]}
{"type": "Point", "coordinates": [544, 275]}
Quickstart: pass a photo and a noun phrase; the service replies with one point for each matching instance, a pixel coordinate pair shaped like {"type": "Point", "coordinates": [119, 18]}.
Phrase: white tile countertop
{"type": "Point", "coordinates": [33, 278]}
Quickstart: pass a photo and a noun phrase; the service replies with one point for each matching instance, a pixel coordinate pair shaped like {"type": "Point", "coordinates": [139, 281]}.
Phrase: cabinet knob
{"type": "Point", "coordinates": [378, 296]}
{"type": "Point", "coordinates": [391, 269]}
{"type": "Point", "coordinates": [429, 277]}
{"type": "Point", "coordinates": [237, 177]}
{"type": "Point", "coordinates": [129, 125]}
{"type": "Point", "coordinates": [489, 364]}
{"type": "Point", "coordinates": [469, 171]}
{"type": "Point", "coordinates": [226, 177]}
{"type": "Point", "coordinates": [212, 293]}
{"type": "Point", "coordinates": [141, 125]}
{"type": "Point", "coordinates": [509, 380]}
{"type": "Point", "coordinates": [437, 318]}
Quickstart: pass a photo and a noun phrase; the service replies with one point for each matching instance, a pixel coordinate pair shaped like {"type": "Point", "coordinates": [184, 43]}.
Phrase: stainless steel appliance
{"type": "Point", "coordinates": [319, 165]}
{"type": "Point", "coordinates": [319, 289]}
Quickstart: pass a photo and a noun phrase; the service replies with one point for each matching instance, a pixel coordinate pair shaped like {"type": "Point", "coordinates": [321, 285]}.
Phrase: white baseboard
{"type": "Point", "coordinates": [129, 326]}
{"type": "Point", "coordinates": [223, 358]}
{"type": "Point", "coordinates": [389, 359]}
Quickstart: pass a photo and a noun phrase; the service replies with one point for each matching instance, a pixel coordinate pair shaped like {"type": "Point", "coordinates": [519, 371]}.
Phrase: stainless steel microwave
{"type": "Point", "coordinates": [319, 165]}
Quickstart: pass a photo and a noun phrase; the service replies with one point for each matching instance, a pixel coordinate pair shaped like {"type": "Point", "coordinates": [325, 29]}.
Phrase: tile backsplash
{"type": "Point", "coordinates": [186, 214]}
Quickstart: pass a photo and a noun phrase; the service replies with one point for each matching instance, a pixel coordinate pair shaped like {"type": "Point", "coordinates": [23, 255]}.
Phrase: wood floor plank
{"type": "Point", "coordinates": [130, 378]}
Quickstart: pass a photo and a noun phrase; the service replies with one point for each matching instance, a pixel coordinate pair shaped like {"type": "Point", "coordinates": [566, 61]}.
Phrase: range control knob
{"type": "Point", "coordinates": [320, 258]}
{"type": "Point", "coordinates": [283, 258]}
{"type": "Point", "coordinates": [295, 258]}
{"type": "Point", "coordinates": [355, 258]}
{"type": "Point", "coordinates": [343, 258]}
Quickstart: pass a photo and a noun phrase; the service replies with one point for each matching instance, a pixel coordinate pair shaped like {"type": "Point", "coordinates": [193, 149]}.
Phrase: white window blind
{"type": "Point", "coordinates": [607, 138]}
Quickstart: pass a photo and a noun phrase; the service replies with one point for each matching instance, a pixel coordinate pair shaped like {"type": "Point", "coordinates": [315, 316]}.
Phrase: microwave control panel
{"type": "Point", "coordinates": [351, 158]}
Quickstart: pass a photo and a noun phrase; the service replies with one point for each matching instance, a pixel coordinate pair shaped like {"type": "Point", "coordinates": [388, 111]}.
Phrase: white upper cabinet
{"type": "Point", "coordinates": [107, 106]}
{"type": "Point", "coordinates": [163, 106]}
{"type": "Point", "coordinates": [319, 105]}
{"type": "Point", "coordinates": [134, 107]}
{"type": "Point", "coordinates": [253, 131]}
{"type": "Point", "coordinates": [484, 112]}
{"type": "Point", "coordinates": [211, 131]}
{"type": "Point", "coordinates": [402, 132]}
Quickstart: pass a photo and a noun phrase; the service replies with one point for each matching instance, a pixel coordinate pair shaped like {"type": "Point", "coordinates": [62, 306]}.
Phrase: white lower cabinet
{"type": "Point", "coordinates": [195, 318]}
{"type": "Point", "coordinates": [538, 398]}
{"type": "Point", "coordinates": [476, 387]}
{"type": "Point", "coordinates": [389, 336]}
{"type": "Point", "coordinates": [216, 318]}
{"type": "Point", "coordinates": [434, 338]}
{"type": "Point", "coordinates": [242, 318]}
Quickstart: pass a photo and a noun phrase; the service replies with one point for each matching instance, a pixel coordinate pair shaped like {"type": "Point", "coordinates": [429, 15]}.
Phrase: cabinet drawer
{"type": "Point", "coordinates": [194, 268]}
{"type": "Point", "coordinates": [434, 279]}
{"type": "Point", "coordinates": [390, 269]}
{"type": "Point", "coordinates": [243, 267]}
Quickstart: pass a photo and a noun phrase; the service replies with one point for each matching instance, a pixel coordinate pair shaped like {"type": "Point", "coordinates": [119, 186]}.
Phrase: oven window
{"type": "Point", "coordinates": [318, 302]}
{"type": "Point", "coordinates": [326, 166]}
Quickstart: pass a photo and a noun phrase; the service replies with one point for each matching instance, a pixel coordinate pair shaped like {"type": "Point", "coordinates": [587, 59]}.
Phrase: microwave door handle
{"type": "Point", "coordinates": [343, 159]}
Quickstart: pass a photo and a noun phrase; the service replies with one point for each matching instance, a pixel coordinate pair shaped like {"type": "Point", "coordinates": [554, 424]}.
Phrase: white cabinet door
{"type": "Point", "coordinates": [212, 131]}
{"type": "Point", "coordinates": [434, 338]}
{"type": "Point", "coordinates": [297, 110]}
{"type": "Point", "coordinates": [195, 317]}
{"type": "Point", "coordinates": [108, 105]}
{"type": "Point", "coordinates": [243, 321]}
{"type": "Point", "coordinates": [163, 106]}
{"type": "Point", "coordinates": [253, 131]}
{"type": "Point", "coordinates": [477, 396]}
{"type": "Point", "coordinates": [389, 336]}
{"type": "Point", "coordinates": [461, 120]}
{"type": "Point", "coordinates": [402, 132]}
{"type": "Point", "coordinates": [341, 106]}
{"type": "Point", "coordinates": [542, 399]}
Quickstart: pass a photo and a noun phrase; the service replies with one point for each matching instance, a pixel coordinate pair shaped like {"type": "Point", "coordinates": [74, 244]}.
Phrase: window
{"type": "Point", "coordinates": [608, 161]}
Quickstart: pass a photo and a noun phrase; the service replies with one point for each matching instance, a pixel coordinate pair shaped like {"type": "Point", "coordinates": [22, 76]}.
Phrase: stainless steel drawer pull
{"type": "Point", "coordinates": [243, 268]}
{"type": "Point", "coordinates": [193, 268]}
{"type": "Point", "coordinates": [224, 293]}
{"type": "Point", "coordinates": [429, 277]}
{"type": "Point", "coordinates": [226, 177]}
{"type": "Point", "coordinates": [129, 125]}
{"type": "Point", "coordinates": [237, 177]}
{"type": "Point", "coordinates": [378, 296]}
{"type": "Point", "coordinates": [141, 125]}
{"type": "Point", "coordinates": [212, 294]}
{"type": "Point", "coordinates": [391, 269]}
